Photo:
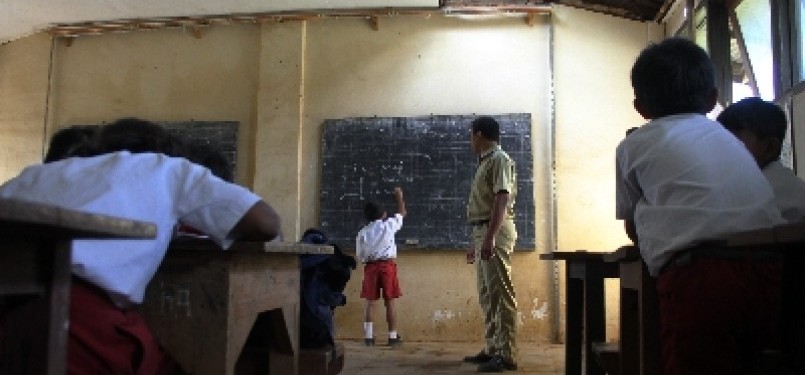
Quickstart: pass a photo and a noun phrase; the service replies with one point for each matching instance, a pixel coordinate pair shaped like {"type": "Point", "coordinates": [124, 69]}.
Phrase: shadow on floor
{"type": "Point", "coordinates": [442, 358]}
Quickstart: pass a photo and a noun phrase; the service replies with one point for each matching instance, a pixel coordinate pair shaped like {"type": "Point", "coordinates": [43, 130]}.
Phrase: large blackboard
{"type": "Point", "coordinates": [429, 157]}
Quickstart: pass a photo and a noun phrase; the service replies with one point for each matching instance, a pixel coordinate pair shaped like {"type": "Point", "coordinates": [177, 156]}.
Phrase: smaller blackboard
{"type": "Point", "coordinates": [430, 158]}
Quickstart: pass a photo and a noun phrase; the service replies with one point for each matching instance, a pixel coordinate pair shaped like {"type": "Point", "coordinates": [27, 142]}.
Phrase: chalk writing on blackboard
{"type": "Point", "coordinates": [430, 158]}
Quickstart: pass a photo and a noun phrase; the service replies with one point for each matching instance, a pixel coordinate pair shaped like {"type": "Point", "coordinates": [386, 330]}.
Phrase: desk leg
{"type": "Point", "coordinates": [574, 296]}
{"type": "Point", "coordinates": [594, 319]}
{"type": "Point", "coordinates": [284, 347]}
{"type": "Point", "coordinates": [629, 331]}
{"type": "Point", "coordinates": [59, 307]}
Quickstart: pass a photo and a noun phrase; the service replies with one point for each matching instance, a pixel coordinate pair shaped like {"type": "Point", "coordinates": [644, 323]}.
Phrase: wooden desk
{"type": "Point", "coordinates": [35, 259]}
{"type": "Point", "coordinates": [639, 328]}
{"type": "Point", "coordinates": [213, 309]}
{"type": "Point", "coordinates": [584, 296]}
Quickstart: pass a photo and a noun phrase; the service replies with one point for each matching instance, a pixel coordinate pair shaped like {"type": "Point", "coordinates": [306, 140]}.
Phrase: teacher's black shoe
{"type": "Point", "coordinates": [497, 364]}
{"type": "Point", "coordinates": [369, 342]}
{"type": "Point", "coordinates": [479, 358]}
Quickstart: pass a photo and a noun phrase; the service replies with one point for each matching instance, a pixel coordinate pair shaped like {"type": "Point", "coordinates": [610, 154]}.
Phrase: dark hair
{"type": "Point", "coordinates": [314, 236]}
{"type": "Point", "coordinates": [488, 127]}
{"type": "Point", "coordinates": [212, 158]}
{"type": "Point", "coordinates": [672, 77]}
{"type": "Point", "coordinates": [72, 141]}
{"type": "Point", "coordinates": [136, 136]}
{"type": "Point", "coordinates": [373, 210]}
{"type": "Point", "coordinates": [762, 118]}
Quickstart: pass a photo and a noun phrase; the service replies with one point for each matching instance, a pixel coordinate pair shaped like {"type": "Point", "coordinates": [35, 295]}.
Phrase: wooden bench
{"type": "Point", "coordinates": [35, 262]}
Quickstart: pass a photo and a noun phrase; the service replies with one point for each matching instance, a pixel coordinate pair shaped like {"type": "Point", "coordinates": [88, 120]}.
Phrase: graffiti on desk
{"type": "Point", "coordinates": [174, 300]}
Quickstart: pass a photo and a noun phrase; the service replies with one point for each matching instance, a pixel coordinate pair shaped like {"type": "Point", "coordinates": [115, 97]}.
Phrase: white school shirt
{"type": "Point", "coordinates": [789, 191]}
{"type": "Point", "coordinates": [375, 241]}
{"type": "Point", "coordinates": [146, 187]}
{"type": "Point", "coordinates": [684, 179]}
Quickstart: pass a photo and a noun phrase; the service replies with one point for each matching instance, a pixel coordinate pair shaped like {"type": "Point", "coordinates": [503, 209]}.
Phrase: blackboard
{"type": "Point", "coordinates": [429, 157]}
{"type": "Point", "coordinates": [221, 135]}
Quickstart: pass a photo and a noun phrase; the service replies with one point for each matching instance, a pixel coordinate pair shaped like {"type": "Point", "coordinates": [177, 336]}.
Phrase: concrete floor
{"type": "Point", "coordinates": [442, 358]}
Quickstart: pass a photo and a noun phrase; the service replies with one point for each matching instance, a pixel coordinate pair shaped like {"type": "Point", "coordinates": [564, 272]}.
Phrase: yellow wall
{"type": "Point", "coordinates": [593, 111]}
{"type": "Point", "coordinates": [23, 92]}
{"type": "Point", "coordinates": [281, 80]}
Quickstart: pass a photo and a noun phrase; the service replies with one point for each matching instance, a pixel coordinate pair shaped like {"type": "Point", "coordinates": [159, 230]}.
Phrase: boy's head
{"type": "Point", "coordinates": [373, 210]}
{"type": "Point", "coordinates": [136, 136]}
{"type": "Point", "coordinates": [72, 141]}
{"type": "Point", "coordinates": [759, 124]}
{"type": "Point", "coordinates": [672, 77]}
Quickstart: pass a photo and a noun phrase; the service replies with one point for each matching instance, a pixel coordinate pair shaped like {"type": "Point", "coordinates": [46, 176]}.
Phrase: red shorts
{"type": "Point", "coordinates": [379, 275]}
{"type": "Point", "coordinates": [717, 315]}
{"type": "Point", "coordinates": [102, 338]}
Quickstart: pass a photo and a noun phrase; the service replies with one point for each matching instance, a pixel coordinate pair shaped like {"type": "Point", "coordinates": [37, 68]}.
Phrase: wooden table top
{"type": "Point", "coordinates": [24, 219]}
{"type": "Point", "coordinates": [203, 244]}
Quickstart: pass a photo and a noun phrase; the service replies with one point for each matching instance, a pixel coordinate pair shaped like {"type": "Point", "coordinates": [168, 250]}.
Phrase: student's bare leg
{"type": "Point", "coordinates": [368, 334]}
{"type": "Point", "coordinates": [391, 317]}
{"type": "Point", "coordinates": [367, 315]}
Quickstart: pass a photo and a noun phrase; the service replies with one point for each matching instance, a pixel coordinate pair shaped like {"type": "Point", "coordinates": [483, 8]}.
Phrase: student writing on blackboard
{"type": "Point", "coordinates": [375, 246]}
{"type": "Point", "coordinates": [490, 213]}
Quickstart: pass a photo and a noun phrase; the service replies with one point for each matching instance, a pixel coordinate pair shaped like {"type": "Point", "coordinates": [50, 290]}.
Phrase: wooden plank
{"type": "Point", "coordinates": [36, 220]}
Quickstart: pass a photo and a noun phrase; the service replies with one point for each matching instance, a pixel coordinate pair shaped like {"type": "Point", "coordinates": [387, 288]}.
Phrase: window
{"type": "Point", "coordinates": [799, 23]}
{"type": "Point", "coordinates": [752, 48]}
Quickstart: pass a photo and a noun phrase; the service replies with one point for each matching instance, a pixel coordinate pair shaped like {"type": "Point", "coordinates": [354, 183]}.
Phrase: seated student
{"type": "Point", "coordinates": [761, 126]}
{"type": "Point", "coordinates": [682, 179]}
{"type": "Point", "coordinates": [132, 176]}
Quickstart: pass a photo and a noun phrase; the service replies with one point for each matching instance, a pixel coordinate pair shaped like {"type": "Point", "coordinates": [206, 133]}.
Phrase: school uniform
{"type": "Point", "coordinates": [376, 248]}
{"type": "Point", "coordinates": [495, 173]}
{"type": "Point", "coordinates": [111, 275]}
{"type": "Point", "coordinates": [684, 179]}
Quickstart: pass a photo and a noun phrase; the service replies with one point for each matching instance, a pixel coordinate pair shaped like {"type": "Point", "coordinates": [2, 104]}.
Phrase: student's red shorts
{"type": "Point", "coordinates": [717, 315]}
{"type": "Point", "coordinates": [102, 338]}
{"type": "Point", "coordinates": [379, 275]}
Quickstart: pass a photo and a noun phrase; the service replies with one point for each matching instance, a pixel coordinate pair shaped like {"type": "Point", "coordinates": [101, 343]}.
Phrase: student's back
{"type": "Point", "coordinates": [682, 178]}
{"type": "Point", "coordinates": [146, 186]}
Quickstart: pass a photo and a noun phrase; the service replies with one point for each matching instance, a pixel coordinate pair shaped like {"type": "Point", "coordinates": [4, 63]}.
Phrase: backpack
{"type": "Point", "coordinates": [323, 279]}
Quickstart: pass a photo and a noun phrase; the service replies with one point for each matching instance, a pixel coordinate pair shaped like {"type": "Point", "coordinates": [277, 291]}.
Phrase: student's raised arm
{"type": "Point", "coordinates": [398, 195]}
{"type": "Point", "coordinates": [260, 223]}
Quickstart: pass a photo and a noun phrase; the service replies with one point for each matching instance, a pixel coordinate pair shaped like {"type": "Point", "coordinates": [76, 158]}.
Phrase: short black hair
{"type": "Point", "coordinates": [373, 210]}
{"type": "Point", "coordinates": [488, 127]}
{"type": "Point", "coordinates": [137, 136]}
{"type": "Point", "coordinates": [764, 119]}
{"type": "Point", "coordinates": [77, 140]}
{"type": "Point", "coordinates": [673, 76]}
{"type": "Point", "coordinates": [212, 158]}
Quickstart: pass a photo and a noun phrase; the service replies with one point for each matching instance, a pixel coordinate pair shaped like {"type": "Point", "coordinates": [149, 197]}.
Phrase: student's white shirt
{"type": "Point", "coordinates": [375, 241]}
{"type": "Point", "coordinates": [684, 179]}
{"type": "Point", "coordinates": [789, 191]}
{"type": "Point", "coordinates": [146, 187]}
